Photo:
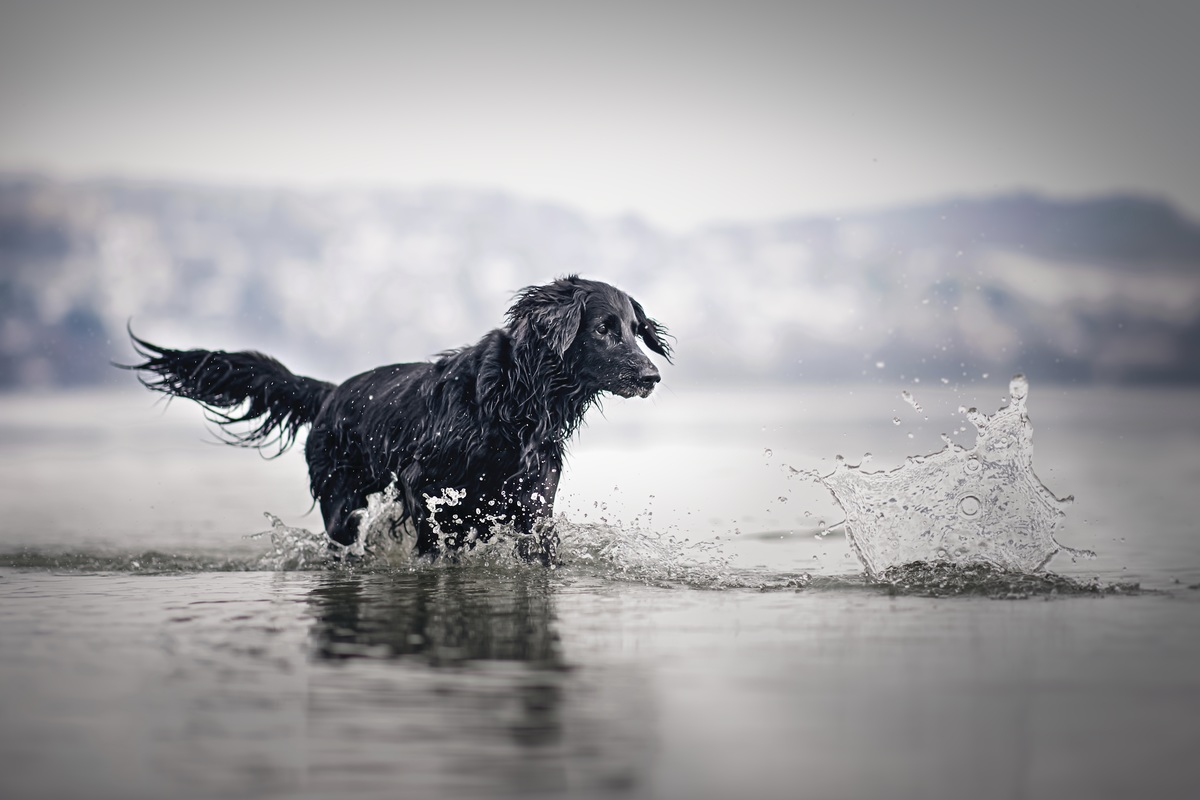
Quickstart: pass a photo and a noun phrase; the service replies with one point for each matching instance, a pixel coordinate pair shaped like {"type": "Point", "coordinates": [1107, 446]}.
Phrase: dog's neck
{"type": "Point", "coordinates": [543, 402]}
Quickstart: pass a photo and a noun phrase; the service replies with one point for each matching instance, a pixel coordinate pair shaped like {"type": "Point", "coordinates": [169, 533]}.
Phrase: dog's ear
{"type": "Point", "coordinates": [652, 333]}
{"type": "Point", "coordinates": [552, 312]}
{"type": "Point", "coordinates": [489, 381]}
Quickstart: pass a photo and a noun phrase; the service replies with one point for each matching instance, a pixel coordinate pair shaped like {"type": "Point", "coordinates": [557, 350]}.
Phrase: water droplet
{"type": "Point", "coordinates": [912, 401]}
{"type": "Point", "coordinates": [768, 452]}
{"type": "Point", "coordinates": [1018, 387]}
{"type": "Point", "coordinates": [969, 505]}
{"type": "Point", "coordinates": [895, 420]}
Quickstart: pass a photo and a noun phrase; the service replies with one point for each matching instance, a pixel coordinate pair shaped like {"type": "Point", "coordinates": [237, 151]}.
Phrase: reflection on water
{"type": "Point", "coordinates": [442, 617]}
{"type": "Point", "coordinates": [454, 679]}
{"type": "Point", "coordinates": [443, 683]}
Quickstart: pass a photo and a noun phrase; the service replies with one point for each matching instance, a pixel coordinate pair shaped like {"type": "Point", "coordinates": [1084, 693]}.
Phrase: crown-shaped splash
{"type": "Point", "coordinates": [958, 505]}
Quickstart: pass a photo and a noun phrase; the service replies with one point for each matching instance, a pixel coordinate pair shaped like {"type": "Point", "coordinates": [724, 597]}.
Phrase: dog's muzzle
{"type": "Point", "coordinates": [647, 380]}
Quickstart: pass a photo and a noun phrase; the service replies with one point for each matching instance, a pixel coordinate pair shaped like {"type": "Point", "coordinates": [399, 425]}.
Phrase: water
{"type": "Point", "coordinates": [713, 633]}
{"type": "Point", "coordinates": [977, 505]}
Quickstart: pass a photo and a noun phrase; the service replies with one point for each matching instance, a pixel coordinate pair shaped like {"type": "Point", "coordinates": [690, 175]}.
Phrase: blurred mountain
{"type": "Point", "coordinates": [335, 282]}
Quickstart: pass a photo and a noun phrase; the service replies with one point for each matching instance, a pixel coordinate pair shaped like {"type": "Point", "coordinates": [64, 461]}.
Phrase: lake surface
{"type": "Point", "coordinates": [711, 634]}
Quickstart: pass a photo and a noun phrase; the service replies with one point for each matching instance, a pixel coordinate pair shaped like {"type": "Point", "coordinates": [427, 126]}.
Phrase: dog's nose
{"type": "Point", "coordinates": [649, 375]}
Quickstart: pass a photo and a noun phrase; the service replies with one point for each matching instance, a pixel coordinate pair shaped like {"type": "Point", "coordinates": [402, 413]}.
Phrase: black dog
{"type": "Point", "coordinates": [491, 420]}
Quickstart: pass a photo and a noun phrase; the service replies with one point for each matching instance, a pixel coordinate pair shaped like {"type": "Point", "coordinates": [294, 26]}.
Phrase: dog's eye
{"type": "Point", "coordinates": [601, 329]}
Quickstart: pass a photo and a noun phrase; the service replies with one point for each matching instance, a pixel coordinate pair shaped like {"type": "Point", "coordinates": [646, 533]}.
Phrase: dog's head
{"type": "Point", "coordinates": [593, 327]}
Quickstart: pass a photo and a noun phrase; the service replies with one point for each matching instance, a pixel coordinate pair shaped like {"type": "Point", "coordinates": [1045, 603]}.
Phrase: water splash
{"type": "Point", "coordinates": [634, 553]}
{"type": "Point", "coordinates": [292, 548]}
{"type": "Point", "coordinates": [609, 549]}
{"type": "Point", "coordinates": [982, 505]}
{"type": "Point", "coordinates": [924, 579]}
{"type": "Point", "coordinates": [385, 540]}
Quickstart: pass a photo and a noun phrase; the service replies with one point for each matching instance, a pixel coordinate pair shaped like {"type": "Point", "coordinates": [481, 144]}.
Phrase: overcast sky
{"type": "Point", "coordinates": [682, 112]}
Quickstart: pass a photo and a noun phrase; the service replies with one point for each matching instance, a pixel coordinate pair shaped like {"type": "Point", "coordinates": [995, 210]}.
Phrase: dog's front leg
{"type": "Point", "coordinates": [533, 512]}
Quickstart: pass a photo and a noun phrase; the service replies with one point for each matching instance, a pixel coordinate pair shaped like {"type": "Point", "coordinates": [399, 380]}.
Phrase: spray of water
{"type": "Point", "coordinates": [640, 554]}
{"type": "Point", "coordinates": [610, 550]}
{"type": "Point", "coordinates": [983, 505]}
{"type": "Point", "coordinates": [385, 540]}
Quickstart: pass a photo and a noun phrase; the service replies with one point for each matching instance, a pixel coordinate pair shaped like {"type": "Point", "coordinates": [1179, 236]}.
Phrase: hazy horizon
{"type": "Point", "coordinates": [1103, 289]}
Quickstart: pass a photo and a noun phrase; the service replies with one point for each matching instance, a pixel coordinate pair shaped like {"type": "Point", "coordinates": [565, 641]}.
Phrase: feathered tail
{"type": "Point", "coordinates": [277, 402]}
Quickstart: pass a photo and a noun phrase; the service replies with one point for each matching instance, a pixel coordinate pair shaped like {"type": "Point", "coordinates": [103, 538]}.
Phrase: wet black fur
{"type": "Point", "coordinates": [491, 419]}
